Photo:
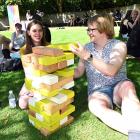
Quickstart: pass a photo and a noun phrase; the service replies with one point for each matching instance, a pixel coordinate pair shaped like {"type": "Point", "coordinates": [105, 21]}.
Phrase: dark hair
{"type": "Point", "coordinates": [127, 15]}
{"type": "Point", "coordinates": [18, 25]}
{"type": "Point", "coordinates": [29, 43]}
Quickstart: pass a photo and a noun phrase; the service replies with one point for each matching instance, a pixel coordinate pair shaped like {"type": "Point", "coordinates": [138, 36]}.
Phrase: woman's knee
{"type": "Point", "coordinates": [23, 102]}
{"type": "Point", "coordinates": [127, 85]}
{"type": "Point", "coordinates": [96, 107]}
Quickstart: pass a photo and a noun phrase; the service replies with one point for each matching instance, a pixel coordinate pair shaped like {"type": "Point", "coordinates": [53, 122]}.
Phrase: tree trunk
{"type": "Point", "coordinates": [60, 7]}
{"type": "Point", "coordinates": [92, 2]}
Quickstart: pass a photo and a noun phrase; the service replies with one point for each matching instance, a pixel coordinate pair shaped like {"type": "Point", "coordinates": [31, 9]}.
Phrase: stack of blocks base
{"type": "Point", "coordinates": [49, 76]}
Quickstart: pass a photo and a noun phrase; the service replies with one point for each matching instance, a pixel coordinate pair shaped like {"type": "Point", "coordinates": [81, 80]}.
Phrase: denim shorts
{"type": "Point", "coordinates": [107, 91]}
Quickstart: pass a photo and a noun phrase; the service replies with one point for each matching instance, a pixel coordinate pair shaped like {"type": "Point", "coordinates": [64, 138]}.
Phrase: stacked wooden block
{"type": "Point", "coordinates": [49, 76]}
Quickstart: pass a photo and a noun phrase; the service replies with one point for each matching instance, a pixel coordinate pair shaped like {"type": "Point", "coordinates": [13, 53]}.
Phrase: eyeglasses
{"type": "Point", "coordinates": [91, 30]}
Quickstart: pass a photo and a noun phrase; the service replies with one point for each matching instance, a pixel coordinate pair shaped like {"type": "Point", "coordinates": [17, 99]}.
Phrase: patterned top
{"type": "Point", "coordinates": [95, 78]}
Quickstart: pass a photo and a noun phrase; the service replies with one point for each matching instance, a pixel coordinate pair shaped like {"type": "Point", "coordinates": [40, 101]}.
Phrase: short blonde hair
{"type": "Point", "coordinates": [105, 24]}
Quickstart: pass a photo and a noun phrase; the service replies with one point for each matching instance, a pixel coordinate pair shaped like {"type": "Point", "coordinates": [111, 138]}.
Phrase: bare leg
{"type": "Point", "coordinates": [24, 96]}
{"type": "Point", "coordinates": [99, 106]}
{"type": "Point", "coordinates": [130, 105]}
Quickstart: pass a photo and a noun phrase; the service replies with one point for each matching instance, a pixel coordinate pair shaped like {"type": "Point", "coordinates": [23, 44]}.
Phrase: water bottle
{"type": "Point", "coordinates": [12, 99]}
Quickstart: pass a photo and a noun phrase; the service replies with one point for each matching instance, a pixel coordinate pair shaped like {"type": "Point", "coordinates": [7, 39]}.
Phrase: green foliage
{"type": "Point", "coordinates": [12, 2]}
{"type": "Point", "coordinates": [57, 6]}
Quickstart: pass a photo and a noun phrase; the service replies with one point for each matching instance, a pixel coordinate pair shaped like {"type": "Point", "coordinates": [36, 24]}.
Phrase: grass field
{"type": "Point", "coordinates": [14, 123]}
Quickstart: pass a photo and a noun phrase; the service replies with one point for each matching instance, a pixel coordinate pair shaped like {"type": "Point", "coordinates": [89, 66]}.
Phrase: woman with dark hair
{"type": "Point", "coordinates": [35, 36]}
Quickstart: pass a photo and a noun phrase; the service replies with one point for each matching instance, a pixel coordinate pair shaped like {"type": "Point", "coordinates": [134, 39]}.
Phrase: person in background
{"type": "Point", "coordinates": [133, 43]}
{"type": "Point", "coordinates": [37, 16]}
{"type": "Point", "coordinates": [124, 27]}
{"type": "Point", "coordinates": [135, 19]}
{"type": "Point", "coordinates": [103, 59]}
{"type": "Point", "coordinates": [17, 39]}
{"type": "Point", "coordinates": [35, 36]}
{"type": "Point", "coordinates": [4, 47]}
{"type": "Point", "coordinates": [29, 15]}
{"type": "Point", "coordinates": [135, 16]}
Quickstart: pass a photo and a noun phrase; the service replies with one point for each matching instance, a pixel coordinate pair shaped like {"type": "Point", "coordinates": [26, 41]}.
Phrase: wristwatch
{"type": "Point", "coordinates": [90, 59]}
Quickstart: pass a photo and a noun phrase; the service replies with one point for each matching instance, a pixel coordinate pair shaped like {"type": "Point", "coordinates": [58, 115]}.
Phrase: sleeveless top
{"type": "Point", "coordinates": [95, 78]}
{"type": "Point", "coordinates": [18, 41]}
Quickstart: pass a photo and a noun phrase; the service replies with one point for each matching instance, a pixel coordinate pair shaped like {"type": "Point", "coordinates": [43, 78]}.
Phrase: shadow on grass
{"type": "Point", "coordinates": [10, 81]}
{"type": "Point", "coordinates": [14, 124]}
{"type": "Point", "coordinates": [133, 67]}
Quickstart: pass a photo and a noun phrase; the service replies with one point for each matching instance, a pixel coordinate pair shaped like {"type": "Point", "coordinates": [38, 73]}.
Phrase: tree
{"type": "Point", "coordinates": [92, 2]}
{"type": "Point", "coordinates": [60, 5]}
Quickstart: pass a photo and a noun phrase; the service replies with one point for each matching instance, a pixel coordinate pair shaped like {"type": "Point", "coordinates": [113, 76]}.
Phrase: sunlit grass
{"type": "Point", "coordinates": [14, 123]}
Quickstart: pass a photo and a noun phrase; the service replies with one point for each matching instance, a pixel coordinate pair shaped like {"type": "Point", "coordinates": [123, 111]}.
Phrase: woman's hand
{"type": "Point", "coordinates": [80, 51]}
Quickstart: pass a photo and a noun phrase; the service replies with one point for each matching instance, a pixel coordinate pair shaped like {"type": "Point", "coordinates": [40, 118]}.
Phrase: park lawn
{"type": "Point", "coordinates": [14, 123]}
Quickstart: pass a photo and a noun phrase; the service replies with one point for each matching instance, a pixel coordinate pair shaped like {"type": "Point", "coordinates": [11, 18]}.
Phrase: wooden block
{"type": "Point", "coordinates": [69, 55]}
{"type": "Point", "coordinates": [34, 59]}
{"type": "Point", "coordinates": [67, 72]}
{"type": "Point", "coordinates": [64, 46]}
{"type": "Point", "coordinates": [68, 85]}
{"type": "Point", "coordinates": [59, 98]}
{"type": "Point", "coordinates": [65, 80]}
{"type": "Point", "coordinates": [64, 120]}
{"type": "Point", "coordinates": [69, 101]}
{"type": "Point", "coordinates": [70, 120]}
{"type": "Point", "coordinates": [37, 72]}
{"type": "Point", "coordinates": [62, 110]}
{"type": "Point", "coordinates": [46, 132]}
{"type": "Point", "coordinates": [41, 50]}
{"type": "Point", "coordinates": [70, 109]}
{"type": "Point", "coordinates": [62, 64]}
{"type": "Point", "coordinates": [31, 112]}
{"type": "Point", "coordinates": [49, 68]}
{"type": "Point", "coordinates": [38, 96]}
{"type": "Point", "coordinates": [69, 93]}
{"type": "Point", "coordinates": [51, 108]}
{"type": "Point", "coordinates": [26, 58]}
{"type": "Point", "coordinates": [48, 60]}
{"type": "Point", "coordinates": [50, 87]}
{"type": "Point", "coordinates": [62, 81]}
{"type": "Point", "coordinates": [48, 93]}
{"type": "Point", "coordinates": [70, 62]}
{"type": "Point", "coordinates": [49, 79]}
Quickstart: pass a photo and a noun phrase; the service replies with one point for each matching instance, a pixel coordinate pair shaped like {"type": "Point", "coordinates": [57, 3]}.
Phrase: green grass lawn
{"type": "Point", "coordinates": [14, 123]}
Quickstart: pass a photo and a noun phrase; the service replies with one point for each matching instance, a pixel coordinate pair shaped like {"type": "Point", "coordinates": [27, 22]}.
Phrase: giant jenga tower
{"type": "Point", "coordinates": [49, 76]}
